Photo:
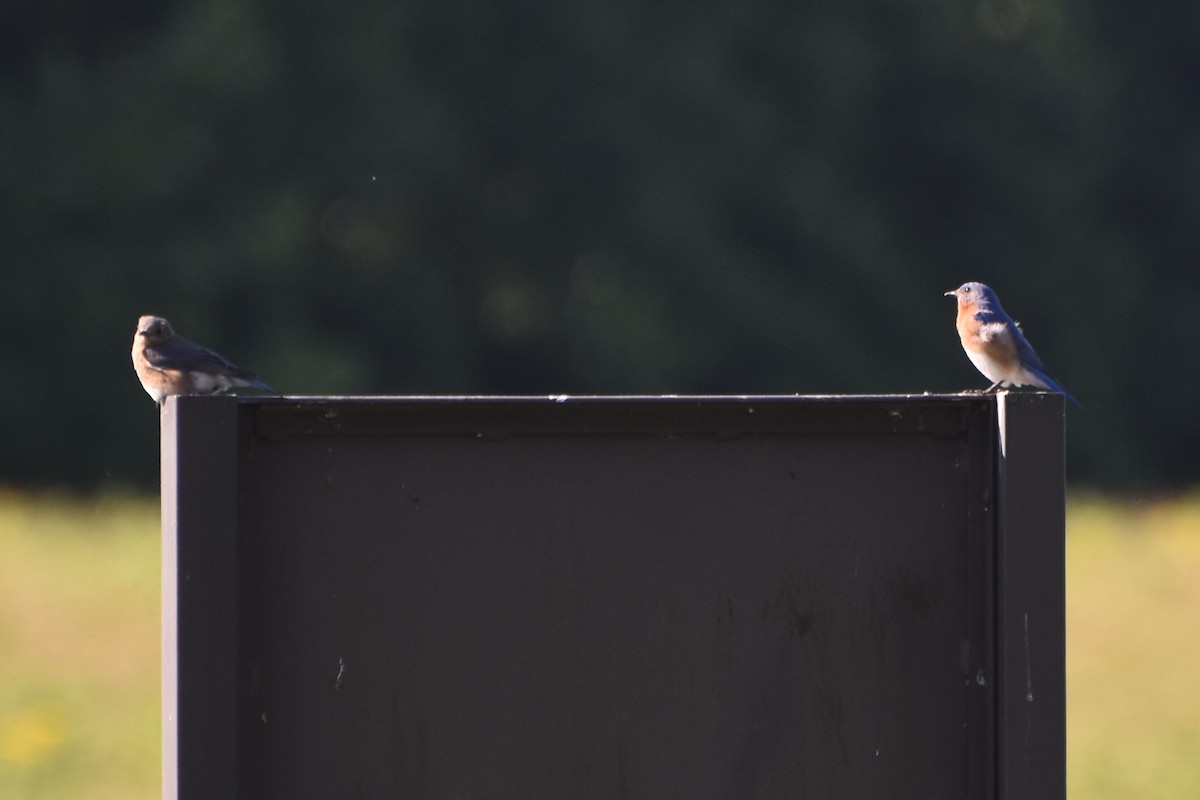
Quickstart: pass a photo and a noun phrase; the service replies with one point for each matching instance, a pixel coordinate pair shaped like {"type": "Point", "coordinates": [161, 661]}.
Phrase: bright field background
{"type": "Point", "coordinates": [79, 649]}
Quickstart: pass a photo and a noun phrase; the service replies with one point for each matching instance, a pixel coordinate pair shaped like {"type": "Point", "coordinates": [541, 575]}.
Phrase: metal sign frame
{"type": "Point", "coordinates": [614, 596]}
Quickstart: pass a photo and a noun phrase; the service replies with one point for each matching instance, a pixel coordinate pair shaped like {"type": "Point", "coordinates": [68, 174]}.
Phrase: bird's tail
{"type": "Point", "coordinates": [248, 380]}
{"type": "Point", "coordinates": [1046, 382]}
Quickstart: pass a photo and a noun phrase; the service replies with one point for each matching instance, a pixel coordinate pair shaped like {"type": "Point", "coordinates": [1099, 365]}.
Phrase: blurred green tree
{"type": "Point", "coordinates": [545, 197]}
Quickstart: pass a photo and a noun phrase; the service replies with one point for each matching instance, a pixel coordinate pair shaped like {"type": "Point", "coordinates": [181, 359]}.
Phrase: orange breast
{"type": "Point", "coordinates": [966, 323]}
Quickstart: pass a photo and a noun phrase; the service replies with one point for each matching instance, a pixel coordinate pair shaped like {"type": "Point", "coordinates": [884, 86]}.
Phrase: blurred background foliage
{"type": "Point", "coordinates": [549, 197]}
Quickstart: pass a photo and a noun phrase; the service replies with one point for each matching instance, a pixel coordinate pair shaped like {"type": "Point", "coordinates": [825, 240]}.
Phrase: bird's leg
{"type": "Point", "coordinates": [993, 387]}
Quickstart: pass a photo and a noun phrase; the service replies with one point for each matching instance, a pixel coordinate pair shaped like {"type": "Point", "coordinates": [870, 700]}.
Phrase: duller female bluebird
{"type": "Point", "coordinates": [995, 344]}
{"type": "Point", "coordinates": [167, 364]}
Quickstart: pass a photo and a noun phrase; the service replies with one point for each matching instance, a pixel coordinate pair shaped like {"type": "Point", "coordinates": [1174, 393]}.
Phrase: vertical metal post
{"type": "Point", "coordinates": [1031, 625]}
{"type": "Point", "coordinates": [199, 441]}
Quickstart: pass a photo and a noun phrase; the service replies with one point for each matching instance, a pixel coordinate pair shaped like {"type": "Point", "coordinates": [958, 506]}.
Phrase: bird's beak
{"type": "Point", "coordinates": [951, 293]}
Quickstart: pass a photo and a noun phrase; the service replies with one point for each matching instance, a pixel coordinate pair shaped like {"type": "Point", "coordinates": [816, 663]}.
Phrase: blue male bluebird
{"type": "Point", "coordinates": [166, 363]}
{"type": "Point", "coordinates": [995, 344]}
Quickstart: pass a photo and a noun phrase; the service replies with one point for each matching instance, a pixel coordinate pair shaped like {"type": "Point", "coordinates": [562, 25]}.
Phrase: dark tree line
{"type": "Point", "coordinates": [545, 197]}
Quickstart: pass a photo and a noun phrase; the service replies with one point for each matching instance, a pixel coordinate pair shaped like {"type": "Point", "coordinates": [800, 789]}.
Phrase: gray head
{"type": "Point", "coordinates": [975, 294]}
{"type": "Point", "coordinates": [154, 330]}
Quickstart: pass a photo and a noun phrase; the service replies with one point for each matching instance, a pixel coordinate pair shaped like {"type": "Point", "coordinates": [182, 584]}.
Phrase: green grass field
{"type": "Point", "coordinates": [79, 649]}
{"type": "Point", "coordinates": [1133, 650]}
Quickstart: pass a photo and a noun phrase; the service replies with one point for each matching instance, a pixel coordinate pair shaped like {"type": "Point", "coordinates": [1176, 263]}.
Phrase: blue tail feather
{"type": "Point", "coordinates": [1053, 385]}
{"type": "Point", "coordinates": [257, 384]}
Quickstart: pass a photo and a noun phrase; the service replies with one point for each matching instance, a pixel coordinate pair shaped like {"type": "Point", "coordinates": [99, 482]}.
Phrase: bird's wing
{"type": "Point", "coordinates": [1003, 327]}
{"type": "Point", "coordinates": [998, 330]}
{"type": "Point", "coordinates": [180, 353]}
{"type": "Point", "coordinates": [1025, 350]}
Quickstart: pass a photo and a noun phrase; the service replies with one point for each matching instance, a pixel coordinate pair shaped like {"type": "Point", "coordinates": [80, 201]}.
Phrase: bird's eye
{"type": "Point", "coordinates": [967, 289]}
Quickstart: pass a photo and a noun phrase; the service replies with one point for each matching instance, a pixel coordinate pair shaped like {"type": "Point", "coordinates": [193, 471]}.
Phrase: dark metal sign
{"type": "Point", "coordinates": [760, 597]}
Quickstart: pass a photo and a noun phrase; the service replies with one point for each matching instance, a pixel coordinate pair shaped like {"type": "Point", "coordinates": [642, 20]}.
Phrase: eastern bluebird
{"type": "Point", "coordinates": [995, 344]}
{"type": "Point", "coordinates": [167, 364]}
